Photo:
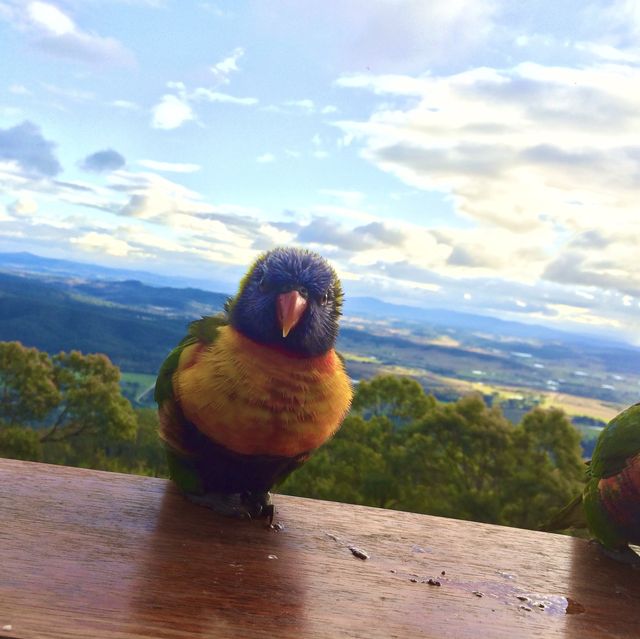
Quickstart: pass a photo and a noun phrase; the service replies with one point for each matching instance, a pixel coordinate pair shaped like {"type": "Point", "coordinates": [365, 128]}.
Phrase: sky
{"type": "Point", "coordinates": [478, 155]}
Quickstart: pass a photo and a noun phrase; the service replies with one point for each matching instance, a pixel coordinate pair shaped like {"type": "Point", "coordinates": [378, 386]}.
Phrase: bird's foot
{"type": "Point", "coordinates": [624, 555]}
{"type": "Point", "coordinates": [226, 504]}
{"type": "Point", "coordinates": [259, 505]}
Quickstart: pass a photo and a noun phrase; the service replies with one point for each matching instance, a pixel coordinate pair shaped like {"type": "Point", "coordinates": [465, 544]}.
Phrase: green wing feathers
{"type": "Point", "coordinates": [202, 330]}
{"type": "Point", "coordinates": [571, 516]}
{"type": "Point", "coordinates": [184, 473]}
{"type": "Point", "coordinates": [181, 468]}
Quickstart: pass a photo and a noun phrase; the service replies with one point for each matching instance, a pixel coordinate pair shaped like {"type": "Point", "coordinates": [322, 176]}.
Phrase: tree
{"type": "Point", "coordinates": [363, 463]}
{"type": "Point", "coordinates": [142, 454]}
{"type": "Point", "coordinates": [549, 471]}
{"type": "Point", "coordinates": [401, 399]}
{"type": "Point", "coordinates": [59, 398]}
{"type": "Point", "coordinates": [401, 449]}
{"type": "Point", "coordinates": [462, 453]}
{"type": "Point", "coordinates": [550, 435]}
{"type": "Point", "coordinates": [91, 400]}
{"type": "Point", "coordinates": [17, 442]}
{"type": "Point", "coordinates": [27, 388]}
{"type": "Point", "coordinates": [353, 467]}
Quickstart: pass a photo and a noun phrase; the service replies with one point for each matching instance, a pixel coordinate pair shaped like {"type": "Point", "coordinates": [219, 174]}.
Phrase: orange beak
{"type": "Point", "coordinates": [291, 307]}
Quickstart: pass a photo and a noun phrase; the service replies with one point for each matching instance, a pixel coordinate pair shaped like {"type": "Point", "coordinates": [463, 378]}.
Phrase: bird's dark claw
{"type": "Point", "coordinates": [228, 505]}
{"type": "Point", "coordinates": [237, 505]}
{"type": "Point", "coordinates": [260, 506]}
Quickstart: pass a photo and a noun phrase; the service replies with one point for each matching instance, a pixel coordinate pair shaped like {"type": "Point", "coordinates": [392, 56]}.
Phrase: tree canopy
{"type": "Point", "coordinates": [399, 448]}
{"type": "Point", "coordinates": [27, 387]}
{"type": "Point", "coordinates": [47, 400]}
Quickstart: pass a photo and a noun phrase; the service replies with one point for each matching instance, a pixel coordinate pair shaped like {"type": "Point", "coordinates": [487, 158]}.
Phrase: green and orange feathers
{"type": "Point", "coordinates": [248, 395]}
{"type": "Point", "coordinates": [609, 506]}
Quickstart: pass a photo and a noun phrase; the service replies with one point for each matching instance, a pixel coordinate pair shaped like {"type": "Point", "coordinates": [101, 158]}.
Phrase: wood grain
{"type": "Point", "coordinates": [92, 555]}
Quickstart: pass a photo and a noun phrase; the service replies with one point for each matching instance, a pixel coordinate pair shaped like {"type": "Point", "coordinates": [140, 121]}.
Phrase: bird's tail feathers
{"type": "Point", "coordinates": [571, 516]}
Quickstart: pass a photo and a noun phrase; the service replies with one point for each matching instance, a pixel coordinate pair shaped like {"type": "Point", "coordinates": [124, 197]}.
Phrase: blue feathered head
{"type": "Point", "coordinates": [290, 298]}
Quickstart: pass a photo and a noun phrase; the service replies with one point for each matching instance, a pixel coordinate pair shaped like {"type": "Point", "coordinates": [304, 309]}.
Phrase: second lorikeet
{"type": "Point", "coordinates": [609, 506]}
{"type": "Point", "coordinates": [249, 394]}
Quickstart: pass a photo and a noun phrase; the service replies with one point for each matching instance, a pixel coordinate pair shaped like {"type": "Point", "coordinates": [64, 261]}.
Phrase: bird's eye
{"type": "Point", "coordinates": [303, 291]}
{"type": "Point", "coordinates": [263, 285]}
{"type": "Point", "coordinates": [324, 300]}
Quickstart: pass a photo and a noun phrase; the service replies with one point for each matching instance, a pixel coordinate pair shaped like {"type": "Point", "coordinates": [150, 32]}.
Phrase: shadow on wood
{"type": "Point", "coordinates": [87, 554]}
{"type": "Point", "coordinates": [223, 560]}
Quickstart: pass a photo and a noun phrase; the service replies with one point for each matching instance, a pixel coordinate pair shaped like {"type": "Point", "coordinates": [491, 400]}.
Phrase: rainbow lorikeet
{"type": "Point", "coordinates": [249, 394]}
{"type": "Point", "coordinates": [609, 506]}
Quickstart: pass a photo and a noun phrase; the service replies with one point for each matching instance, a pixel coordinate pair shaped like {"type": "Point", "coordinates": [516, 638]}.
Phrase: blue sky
{"type": "Point", "coordinates": [471, 154]}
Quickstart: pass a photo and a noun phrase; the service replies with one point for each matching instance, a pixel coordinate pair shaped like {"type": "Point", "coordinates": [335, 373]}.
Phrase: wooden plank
{"type": "Point", "coordinates": [86, 554]}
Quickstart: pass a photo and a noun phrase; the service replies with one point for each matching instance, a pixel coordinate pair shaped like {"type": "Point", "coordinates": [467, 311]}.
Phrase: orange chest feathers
{"type": "Point", "coordinates": [256, 400]}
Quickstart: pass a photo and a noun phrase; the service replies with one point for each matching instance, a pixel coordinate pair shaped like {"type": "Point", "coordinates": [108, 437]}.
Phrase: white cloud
{"type": "Point", "coordinates": [346, 140]}
{"type": "Point", "coordinates": [10, 113]}
{"type": "Point", "coordinates": [216, 96]}
{"type": "Point", "coordinates": [211, 8]}
{"type": "Point", "coordinates": [579, 315]}
{"type": "Point", "coordinates": [125, 105]}
{"type": "Point", "coordinates": [102, 242]}
{"type": "Point", "coordinates": [53, 31]}
{"type": "Point", "coordinates": [608, 53]}
{"type": "Point", "coordinates": [176, 108]}
{"type": "Point", "coordinates": [618, 21]}
{"type": "Point", "coordinates": [305, 104]}
{"type": "Point", "coordinates": [152, 197]}
{"type": "Point", "coordinates": [4, 215]}
{"type": "Point", "coordinates": [319, 153]}
{"type": "Point", "coordinates": [551, 151]}
{"type": "Point", "coordinates": [302, 106]}
{"type": "Point", "coordinates": [276, 236]}
{"type": "Point", "coordinates": [152, 241]}
{"type": "Point", "coordinates": [25, 206]}
{"type": "Point", "coordinates": [19, 89]}
{"type": "Point", "coordinates": [348, 198]}
{"type": "Point", "coordinates": [50, 18]}
{"type": "Point", "coordinates": [266, 158]}
{"type": "Point", "coordinates": [344, 213]}
{"type": "Point", "coordinates": [163, 219]}
{"type": "Point", "coordinates": [77, 95]}
{"type": "Point", "coordinates": [171, 167]}
{"type": "Point", "coordinates": [223, 69]}
{"type": "Point", "coordinates": [171, 112]}
{"type": "Point", "coordinates": [401, 85]}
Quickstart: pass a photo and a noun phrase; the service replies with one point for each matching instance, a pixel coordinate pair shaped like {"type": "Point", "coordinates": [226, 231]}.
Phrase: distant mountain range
{"type": "Point", "coordinates": [28, 263]}
{"type": "Point", "coordinates": [187, 297]}
{"type": "Point", "coordinates": [371, 308]}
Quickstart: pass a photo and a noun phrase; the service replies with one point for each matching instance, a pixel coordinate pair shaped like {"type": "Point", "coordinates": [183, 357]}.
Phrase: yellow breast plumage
{"type": "Point", "coordinates": [258, 400]}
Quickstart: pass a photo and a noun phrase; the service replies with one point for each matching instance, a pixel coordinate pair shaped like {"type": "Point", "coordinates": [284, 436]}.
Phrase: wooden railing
{"type": "Point", "coordinates": [94, 555]}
